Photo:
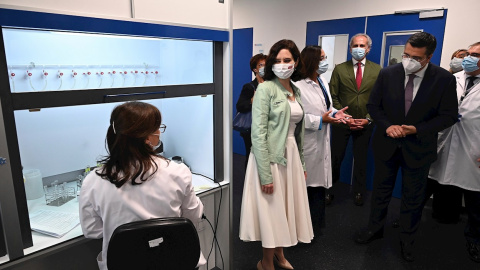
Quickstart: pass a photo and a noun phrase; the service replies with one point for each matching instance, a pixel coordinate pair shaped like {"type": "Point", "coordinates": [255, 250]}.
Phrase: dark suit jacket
{"type": "Point", "coordinates": [343, 88]}
{"type": "Point", "coordinates": [433, 109]}
{"type": "Point", "coordinates": [244, 100]}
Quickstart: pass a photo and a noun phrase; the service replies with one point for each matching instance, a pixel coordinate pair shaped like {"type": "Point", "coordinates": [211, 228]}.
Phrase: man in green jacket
{"type": "Point", "coordinates": [350, 85]}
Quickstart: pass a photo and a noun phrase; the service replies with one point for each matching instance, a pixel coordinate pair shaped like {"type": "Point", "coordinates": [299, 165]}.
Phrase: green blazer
{"type": "Point", "coordinates": [343, 88]}
{"type": "Point", "coordinates": [270, 122]}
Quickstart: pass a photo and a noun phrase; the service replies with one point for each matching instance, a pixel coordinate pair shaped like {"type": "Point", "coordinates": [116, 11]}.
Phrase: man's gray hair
{"type": "Point", "coordinates": [369, 40]}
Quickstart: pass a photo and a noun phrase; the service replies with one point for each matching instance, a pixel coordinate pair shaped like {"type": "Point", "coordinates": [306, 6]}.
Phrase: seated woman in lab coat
{"type": "Point", "coordinates": [134, 183]}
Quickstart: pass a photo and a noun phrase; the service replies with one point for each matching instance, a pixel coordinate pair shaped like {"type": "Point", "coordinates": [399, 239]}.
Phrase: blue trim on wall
{"type": "Point", "coordinates": [32, 19]}
{"type": "Point", "coordinates": [242, 52]}
{"type": "Point", "coordinates": [377, 25]}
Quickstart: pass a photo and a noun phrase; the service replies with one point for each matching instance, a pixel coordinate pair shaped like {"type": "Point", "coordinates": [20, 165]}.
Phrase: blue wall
{"type": "Point", "coordinates": [242, 52]}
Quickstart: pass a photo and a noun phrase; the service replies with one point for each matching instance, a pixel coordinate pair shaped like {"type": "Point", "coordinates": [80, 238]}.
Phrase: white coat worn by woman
{"type": "Point", "coordinates": [316, 145]}
{"type": "Point", "coordinates": [319, 114]}
{"type": "Point", "coordinates": [134, 183]}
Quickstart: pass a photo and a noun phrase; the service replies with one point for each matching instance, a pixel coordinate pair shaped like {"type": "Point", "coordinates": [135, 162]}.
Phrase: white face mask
{"type": "Point", "coordinates": [283, 71]}
{"type": "Point", "coordinates": [261, 71]}
{"type": "Point", "coordinates": [410, 65]}
{"type": "Point", "coordinates": [155, 147]}
{"type": "Point", "coordinates": [456, 64]}
{"type": "Point", "coordinates": [322, 67]}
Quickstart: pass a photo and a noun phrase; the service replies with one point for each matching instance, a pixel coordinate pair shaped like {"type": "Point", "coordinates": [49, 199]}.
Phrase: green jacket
{"type": "Point", "coordinates": [270, 121]}
{"type": "Point", "coordinates": [343, 88]}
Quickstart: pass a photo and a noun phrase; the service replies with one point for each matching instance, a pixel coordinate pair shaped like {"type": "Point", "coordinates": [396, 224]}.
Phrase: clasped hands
{"type": "Point", "coordinates": [397, 131]}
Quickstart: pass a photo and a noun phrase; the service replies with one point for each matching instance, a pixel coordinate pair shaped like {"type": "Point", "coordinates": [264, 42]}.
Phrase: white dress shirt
{"type": "Point", "coordinates": [355, 66]}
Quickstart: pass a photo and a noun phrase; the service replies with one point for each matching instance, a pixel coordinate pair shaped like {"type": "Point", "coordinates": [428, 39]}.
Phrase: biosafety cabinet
{"type": "Point", "coordinates": [60, 78]}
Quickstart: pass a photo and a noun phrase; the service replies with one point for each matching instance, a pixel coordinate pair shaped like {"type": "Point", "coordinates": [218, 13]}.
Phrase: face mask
{"type": "Point", "coordinates": [283, 71]}
{"type": "Point", "coordinates": [470, 64]}
{"type": "Point", "coordinates": [358, 53]}
{"type": "Point", "coordinates": [456, 64]}
{"type": "Point", "coordinates": [322, 67]}
{"type": "Point", "coordinates": [411, 65]}
{"type": "Point", "coordinates": [155, 147]}
{"type": "Point", "coordinates": [261, 72]}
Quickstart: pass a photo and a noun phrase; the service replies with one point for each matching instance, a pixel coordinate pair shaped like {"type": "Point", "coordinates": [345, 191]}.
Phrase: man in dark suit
{"type": "Point", "coordinates": [410, 103]}
{"type": "Point", "coordinates": [350, 85]}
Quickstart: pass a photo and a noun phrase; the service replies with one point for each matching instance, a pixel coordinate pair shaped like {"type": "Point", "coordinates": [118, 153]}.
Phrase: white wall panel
{"type": "Point", "coordinates": [103, 8]}
{"type": "Point", "coordinates": [273, 20]}
{"type": "Point", "coordinates": [207, 13]}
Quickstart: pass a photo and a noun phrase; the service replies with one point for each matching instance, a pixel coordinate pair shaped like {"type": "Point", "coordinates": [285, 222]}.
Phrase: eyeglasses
{"type": "Point", "coordinates": [416, 58]}
{"type": "Point", "coordinates": [162, 128]}
{"type": "Point", "coordinates": [323, 58]}
{"type": "Point", "coordinates": [473, 54]}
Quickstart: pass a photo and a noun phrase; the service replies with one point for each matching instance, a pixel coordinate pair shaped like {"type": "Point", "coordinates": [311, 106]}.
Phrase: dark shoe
{"type": "Point", "coordinates": [329, 199]}
{"type": "Point", "coordinates": [407, 253]}
{"type": "Point", "coordinates": [474, 251]}
{"type": "Point", "coordinates": [368, 236]}
{"type": "Point", "coordinates": [358, 199]}
{"type": "Point", "coordinates": [396, 223]}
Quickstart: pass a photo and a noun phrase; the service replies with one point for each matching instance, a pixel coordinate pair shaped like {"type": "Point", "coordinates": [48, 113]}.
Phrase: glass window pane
{"type": "Point", "coordinates": [58, 144]}
{"type": "Point", "coordinates": [53, 60]}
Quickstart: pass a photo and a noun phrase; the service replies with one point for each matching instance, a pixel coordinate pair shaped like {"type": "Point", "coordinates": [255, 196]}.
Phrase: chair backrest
{"type": "Point", "coordinates": [161, 243]}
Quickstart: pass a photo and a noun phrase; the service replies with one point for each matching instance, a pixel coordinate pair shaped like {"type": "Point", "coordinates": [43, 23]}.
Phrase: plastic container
{"type": "Point", "coordinates": [33, 184]}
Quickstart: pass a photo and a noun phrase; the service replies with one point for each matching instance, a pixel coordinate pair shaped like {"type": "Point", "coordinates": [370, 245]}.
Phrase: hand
{"type": "Point", "coordinates": [395, 131]}
{"type": "Point", "coordinates": [326, 118]}
{"type": "Point", "coordinates": [354, 124]}
{"type": "Point", "coordinates": [409, 130]}
{"type": "Point", "coordinates": [342, 116]}
{"type": "Point", "coordinates": [268, 188]}
{"type": "Point", "coordinates": [362, 122]}
{"type": "Point", "coordinates": [305, 172]}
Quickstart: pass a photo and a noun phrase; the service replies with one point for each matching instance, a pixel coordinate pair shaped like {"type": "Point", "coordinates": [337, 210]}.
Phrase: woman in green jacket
{"type": "Point", "coordinates": [275, 204]}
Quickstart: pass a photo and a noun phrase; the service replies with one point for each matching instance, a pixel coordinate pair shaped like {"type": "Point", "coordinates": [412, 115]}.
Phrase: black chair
{"type": "Point", "coordinates": [161, 243]}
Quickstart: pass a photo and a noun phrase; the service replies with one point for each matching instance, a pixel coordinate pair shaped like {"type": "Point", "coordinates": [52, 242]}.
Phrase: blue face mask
{"type": "Point", "coordinates": [358, 53]}
{"type": "Point", "coordinates": [470, 64]}
{"type": "Point", "coordinates": [322, 67]}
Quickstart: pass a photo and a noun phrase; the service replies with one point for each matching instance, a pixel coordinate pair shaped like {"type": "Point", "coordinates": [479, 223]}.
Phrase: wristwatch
{"type": "Point", "coordinates": [369, 120]}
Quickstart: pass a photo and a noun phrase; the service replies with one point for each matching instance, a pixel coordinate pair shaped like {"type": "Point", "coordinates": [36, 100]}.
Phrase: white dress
{"type": "Point", "coordinates": [280, 219]}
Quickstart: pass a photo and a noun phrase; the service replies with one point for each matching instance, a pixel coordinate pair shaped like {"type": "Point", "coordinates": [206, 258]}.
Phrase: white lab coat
{"type": "Point", "coordinates": [316, 145]}
{"type": "Point", "coordinates": [104, 207]}
{"type": "Point", "coordinates": [459, 146]}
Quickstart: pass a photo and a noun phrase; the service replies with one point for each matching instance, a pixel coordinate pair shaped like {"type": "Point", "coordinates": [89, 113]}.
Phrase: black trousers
{"type": "Point", "coordinates": [316, 201]}
{"type": "Point", "coordinates": [447, 201]}
{"type": "Point", "coordinates": [247, 139]}
{"type": "Point", "coordinates": [472, 205]}
{"type": "Point", "coordinates": [414, 184]}
{"type": "Point", "coordinates": [361, 140]}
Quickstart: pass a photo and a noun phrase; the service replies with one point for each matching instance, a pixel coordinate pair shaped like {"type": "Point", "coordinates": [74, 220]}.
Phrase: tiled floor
{"type": "Point", "coordinates": [438, 246]}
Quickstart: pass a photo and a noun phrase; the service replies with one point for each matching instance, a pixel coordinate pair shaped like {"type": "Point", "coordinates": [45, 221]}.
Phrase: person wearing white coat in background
{"type": "Point", "coordinates": [459, 148]}
{"type": "Point", "coordinates": [319, 113]}
{"type": "Point", "coordinates": [134, 183]}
